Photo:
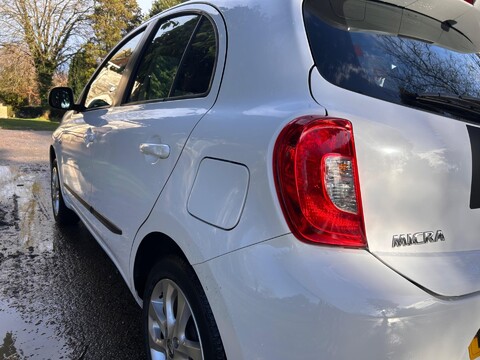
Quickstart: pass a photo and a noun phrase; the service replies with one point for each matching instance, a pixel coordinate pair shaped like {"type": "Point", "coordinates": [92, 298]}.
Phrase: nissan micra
{"type": "Point", "coordinates": [287, 179]}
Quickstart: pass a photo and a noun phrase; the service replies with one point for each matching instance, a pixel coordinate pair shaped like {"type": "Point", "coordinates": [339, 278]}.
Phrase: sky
{"type": "Point", "coordinates": [145, 5]}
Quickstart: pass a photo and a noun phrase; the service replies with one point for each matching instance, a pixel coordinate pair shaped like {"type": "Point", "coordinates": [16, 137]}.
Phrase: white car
{"type": "Point", "coordinates": [287, 179]}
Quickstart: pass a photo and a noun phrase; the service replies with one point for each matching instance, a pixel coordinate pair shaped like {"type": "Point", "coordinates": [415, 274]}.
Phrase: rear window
{"type": "Point", "coordinates": [397, 55]}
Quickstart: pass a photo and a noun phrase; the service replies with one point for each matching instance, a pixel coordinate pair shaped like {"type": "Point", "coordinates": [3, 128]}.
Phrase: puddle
{"type": "Point", "coordinates": [60, 295]}
{"type": "Point", "coordinates": [24, 211]}
{"type": "Point", "coordinates": [26, 232]}
{"type": "Point", "coordinates": [20, 340]}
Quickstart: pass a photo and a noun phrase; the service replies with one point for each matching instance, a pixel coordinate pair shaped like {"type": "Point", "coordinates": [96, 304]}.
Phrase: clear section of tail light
{"type": "Point", "coordinates": [317, 181]}
{"type": "Point", "coordinates": [340, 182]}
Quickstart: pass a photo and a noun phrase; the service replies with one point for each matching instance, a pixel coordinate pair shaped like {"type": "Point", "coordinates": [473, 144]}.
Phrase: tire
{"type": "Point", "coordinates": [63, 216]}
{"type": "Point", "coordinates": [190, 333]}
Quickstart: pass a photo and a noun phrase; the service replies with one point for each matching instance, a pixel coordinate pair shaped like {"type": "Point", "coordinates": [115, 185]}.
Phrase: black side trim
{"type": "Point", "coordinates": [107, 223]}
{"type": "Point", "coordinates": [474, 133]}
{"type": "Point", "coordinates": [83, 202]}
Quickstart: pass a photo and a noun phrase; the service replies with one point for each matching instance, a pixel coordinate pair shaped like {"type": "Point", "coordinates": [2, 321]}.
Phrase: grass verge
{"type": "Point", "coordinates": [28, 124]}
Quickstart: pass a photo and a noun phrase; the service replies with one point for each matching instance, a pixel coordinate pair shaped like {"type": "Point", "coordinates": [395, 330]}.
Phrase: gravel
{"type": "Point", "coordinates": [24, 147]}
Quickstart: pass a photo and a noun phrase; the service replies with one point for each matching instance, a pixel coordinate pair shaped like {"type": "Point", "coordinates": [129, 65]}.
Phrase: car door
{"type": "Point", "coordinates": [79, 135]}
{"type": "Point", "coordinates": [137, 145]}
{"type": "Point", "coordinates": [73, 155]}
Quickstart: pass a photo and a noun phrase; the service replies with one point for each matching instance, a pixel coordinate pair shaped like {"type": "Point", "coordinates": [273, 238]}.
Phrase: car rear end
{"type": "Point", "coordinates": [407, 76]}
{"type": "Point", "coordinates": [410, 84]}
{"type": "Point", "coordinates": [380, 194]}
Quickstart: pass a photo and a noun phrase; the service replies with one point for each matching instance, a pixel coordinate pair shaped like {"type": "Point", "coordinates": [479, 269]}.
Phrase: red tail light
{"type": "Point", "coordinates": [317, 181]}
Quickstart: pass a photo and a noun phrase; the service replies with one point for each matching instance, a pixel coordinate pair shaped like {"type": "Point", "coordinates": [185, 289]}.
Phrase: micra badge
{"type": "Point", "coordinates": [418, 238]}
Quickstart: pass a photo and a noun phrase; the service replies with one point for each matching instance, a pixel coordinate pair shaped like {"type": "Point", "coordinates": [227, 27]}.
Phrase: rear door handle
{"type": "Point", "coordinates": [161, 151]}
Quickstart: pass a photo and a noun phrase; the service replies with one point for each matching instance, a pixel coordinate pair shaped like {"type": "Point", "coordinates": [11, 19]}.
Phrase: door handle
{"type": "Point", "coordinates": [161, 151]}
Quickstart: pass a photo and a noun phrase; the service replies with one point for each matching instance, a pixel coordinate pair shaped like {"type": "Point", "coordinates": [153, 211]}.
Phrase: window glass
{"type": "Point", "coordinates": [159, 65]}
{"type": "Point", "coordinates": [406, 58]}
{"type": "Point", "coordinates": [196, 70]}
{"type": "Point", "coordinates": [104, 88]}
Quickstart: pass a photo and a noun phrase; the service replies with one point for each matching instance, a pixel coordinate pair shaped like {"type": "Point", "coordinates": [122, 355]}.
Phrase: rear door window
{"type": "Point", "coordinates": [196, 72]}
{"type": "Point", "coordinates": [179, 62]}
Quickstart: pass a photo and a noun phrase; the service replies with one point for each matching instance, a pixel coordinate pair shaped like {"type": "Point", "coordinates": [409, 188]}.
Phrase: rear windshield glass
{"type": "Point", "coordinates": [397, 55]}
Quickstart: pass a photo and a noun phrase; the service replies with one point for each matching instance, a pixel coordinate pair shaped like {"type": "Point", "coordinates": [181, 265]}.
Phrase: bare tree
{"type": "Point", "coordinates": [18, 84]}
{"type": "Point", "coordinates": [47, 28]}
{"type": "Point", "coordinates": [433, 71]}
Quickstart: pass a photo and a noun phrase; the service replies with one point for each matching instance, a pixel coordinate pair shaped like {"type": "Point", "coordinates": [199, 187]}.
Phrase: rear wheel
{"type": "Point", "coordinates": [178, 321]}
{"type": "Point", "coordinates": [62, 214]}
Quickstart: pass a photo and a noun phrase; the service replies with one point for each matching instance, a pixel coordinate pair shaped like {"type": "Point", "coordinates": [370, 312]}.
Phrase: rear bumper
{"type": "Point", "coordinates": [283, 299]}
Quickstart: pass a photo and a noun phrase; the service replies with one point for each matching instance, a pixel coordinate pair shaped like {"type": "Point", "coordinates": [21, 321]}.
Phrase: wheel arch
{"type": "Point", "coordinates": [153, 247]}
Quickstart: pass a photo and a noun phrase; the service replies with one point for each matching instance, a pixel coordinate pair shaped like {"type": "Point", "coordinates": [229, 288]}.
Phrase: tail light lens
{"type": "Point", "coordinates": [317, 181]}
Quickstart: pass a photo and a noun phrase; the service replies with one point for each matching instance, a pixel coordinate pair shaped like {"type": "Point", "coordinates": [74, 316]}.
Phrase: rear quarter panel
{"type": "Point", "coordinates": [415, 172]}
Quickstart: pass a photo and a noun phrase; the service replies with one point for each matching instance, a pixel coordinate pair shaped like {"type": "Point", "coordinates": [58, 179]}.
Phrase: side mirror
{"type": "Point", "coordinates": [62, 98]}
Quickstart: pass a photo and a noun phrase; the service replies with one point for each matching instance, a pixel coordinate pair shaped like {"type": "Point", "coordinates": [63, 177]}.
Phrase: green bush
{"type": "Point", "coordinates": [29, 112]}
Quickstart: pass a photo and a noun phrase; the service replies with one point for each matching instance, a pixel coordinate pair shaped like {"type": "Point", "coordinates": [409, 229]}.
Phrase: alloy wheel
{"type": "Point", "coordinates": [172, 328]}
{"type": "Point", "coordinates": [55, 191]}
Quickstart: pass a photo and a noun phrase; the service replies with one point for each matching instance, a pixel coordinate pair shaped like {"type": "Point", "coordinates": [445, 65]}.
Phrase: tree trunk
{"type": "Point", "coordinates": [45, 70]}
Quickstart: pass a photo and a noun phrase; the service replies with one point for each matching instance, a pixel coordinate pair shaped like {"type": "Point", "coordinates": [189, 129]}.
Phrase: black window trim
{"type": "Point", "coordinates": [151, 35]}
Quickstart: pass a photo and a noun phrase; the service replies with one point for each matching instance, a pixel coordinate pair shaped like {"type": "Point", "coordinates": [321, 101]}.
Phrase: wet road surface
{"type": "Point", "coordinates": [60, 295]}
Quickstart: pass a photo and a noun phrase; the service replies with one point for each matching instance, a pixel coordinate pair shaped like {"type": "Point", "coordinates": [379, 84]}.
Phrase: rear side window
{"type": "Point", "coordinates": [397, 55]}
{"type": "Point", "coordinates": [160, 62]}
{"type": "Point", "coordinates": [196, 71]}
{"type": "Point", "coordinates": [179, 62]}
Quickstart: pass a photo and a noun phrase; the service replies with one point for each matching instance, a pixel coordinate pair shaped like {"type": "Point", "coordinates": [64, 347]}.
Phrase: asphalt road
{"type": "Point", "coordinates": [60, 295]}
